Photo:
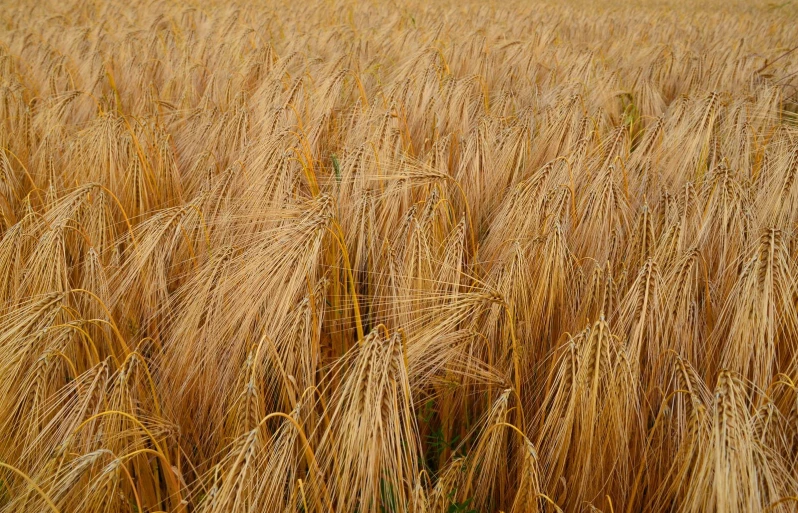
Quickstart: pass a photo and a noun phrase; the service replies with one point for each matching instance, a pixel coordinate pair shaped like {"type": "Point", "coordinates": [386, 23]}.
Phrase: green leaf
{"type": "Point", "coordinates": [336, 167]}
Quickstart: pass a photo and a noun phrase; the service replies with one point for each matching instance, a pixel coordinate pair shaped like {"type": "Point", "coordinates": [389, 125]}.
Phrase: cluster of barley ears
{"type": "Point", "coordinates": [377, 257]}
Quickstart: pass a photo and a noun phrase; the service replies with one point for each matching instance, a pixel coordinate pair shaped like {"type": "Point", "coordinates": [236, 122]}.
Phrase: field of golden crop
{"type": "Point", "coordinates": [361, 256]}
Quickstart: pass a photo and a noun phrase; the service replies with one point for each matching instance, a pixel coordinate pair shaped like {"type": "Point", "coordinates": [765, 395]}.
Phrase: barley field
{"type": "Point", "coordinates": [361, 256]}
